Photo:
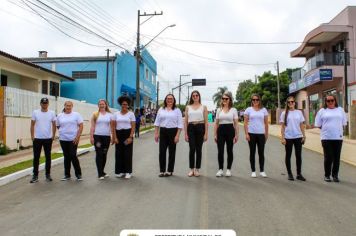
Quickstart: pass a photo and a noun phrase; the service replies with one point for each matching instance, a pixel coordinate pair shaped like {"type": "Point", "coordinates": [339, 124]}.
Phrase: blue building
{"type": "Point", "coordinates": [90, 74]}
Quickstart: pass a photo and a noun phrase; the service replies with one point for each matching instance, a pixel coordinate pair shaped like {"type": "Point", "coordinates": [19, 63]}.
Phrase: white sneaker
{"type": "Point", "coordinates": [127, 176]}
{"type": "Point", "coordinates": [263, 174]}
{"type": "Point", "coordinates": [219, 173]}
{"type": "Point", "coordinates": [253, 175]}
{"type": "Point", "coordinates": [228, 173]}
{"type": "Point", "coordinates": [120, 175]}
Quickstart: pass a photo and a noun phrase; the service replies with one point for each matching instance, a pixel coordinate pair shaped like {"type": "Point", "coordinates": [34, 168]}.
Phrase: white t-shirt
{"type": "Point", "coordinates": [43, 125]}
{"type": "Point", "coordinates": [227, 118]}
{"type": "Point", "coordinates": [256, 120]}
{"type": "Point", "coordinates": [102, 124]}
{"type": "Point", "coordinates": [195, 115]}
{"type": "Point", "coordinates": [331, 122]}
{"type": "Point", "coordinates": [294, 119]}
{"type": "Point", "coordinates": [68, 125]}
{"type": "Point", "coordinates": [123, 121]}
{"type": "Point", "coordinates": [169, 119]}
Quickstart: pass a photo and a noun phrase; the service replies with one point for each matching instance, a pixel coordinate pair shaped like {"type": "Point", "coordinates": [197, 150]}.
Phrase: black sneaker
{"type": "Point", "coordinates": [34, 179]}
{"type": "Point", "coordinates": [65, 178]}
{"type": "Point", "coordinates": [290, 177]}
{"type": "Point", "coordinates": [301, 178]}
{"type": "Point", "coordinates": [336, 179]}
{"type": "Point", "coordinates": [79, 178]}
{"type": "Point", "coordinates": [327, 179]}
{"type": "Point", "coordinates": [49, 178]}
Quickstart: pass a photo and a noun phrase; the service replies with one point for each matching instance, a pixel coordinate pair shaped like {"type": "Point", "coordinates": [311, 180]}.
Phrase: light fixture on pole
{"type": "Point", "coordinates": [138, 51]}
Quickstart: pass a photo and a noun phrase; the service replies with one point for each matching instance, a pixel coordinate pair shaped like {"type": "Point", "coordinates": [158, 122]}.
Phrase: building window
{"type": "Point", "coordinates": [3, 80]}
{"type": "Point", "coordinates": [44, 86]}
{"type": "Point", "coordinates": [53, 88]}
{"type": "Point", "coordinates": [147, 78]}
{"type": "Point", "coordinates": [84, 74]}
{"type": "Point", "coordinates": [154, 79]}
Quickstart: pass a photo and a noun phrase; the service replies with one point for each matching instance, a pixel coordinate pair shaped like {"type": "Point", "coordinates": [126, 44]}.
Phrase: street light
{"type": "Point", "coordinates": [138, 57]}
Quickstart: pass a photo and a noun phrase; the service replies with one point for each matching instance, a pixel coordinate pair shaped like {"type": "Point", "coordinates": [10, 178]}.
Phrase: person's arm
{"type": "Point", "coordinates": [54, 129]}
{"type": "Point", "coordinates": [236, 125]}
{"type": "Point", "coordinates": [216, 126]}
{"type": "Point", "coordinates": [92, 129]}
{"type": "Point", "coordinates": [302, 128]}
{"type": "Point", "coordinates": [206, 123]}
{"type": "Point", "coordinates": [266, 127]}
{"type": "Point", "coordinates": [132, 133]}
{"type": "Point", "coordinates": [80, 130]}
{"type": "Point", "coordinates": [246, 119]}
{"type": "Point", "coordinates": [113, 131]}
{"type": "Point", "coordinates": [179, 125]}
{"type": "Point", "coordinates": [186, 124]}
{"type": "Point", "coordinates": [32, 129]}
{"type": "Point", "coordinates": [283, 128]}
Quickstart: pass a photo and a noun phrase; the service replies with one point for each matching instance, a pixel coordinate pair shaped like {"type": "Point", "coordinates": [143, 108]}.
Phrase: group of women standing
{"type": "Point", "coordinates": [119, 128]}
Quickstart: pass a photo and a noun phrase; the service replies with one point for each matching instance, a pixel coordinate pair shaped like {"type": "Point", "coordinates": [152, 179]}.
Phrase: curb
{"type": "Point", "coordinates": [22, 173]}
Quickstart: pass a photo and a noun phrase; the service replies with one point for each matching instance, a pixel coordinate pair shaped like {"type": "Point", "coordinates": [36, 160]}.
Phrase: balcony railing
{"type": "Point", "coordinates": [323, 59]}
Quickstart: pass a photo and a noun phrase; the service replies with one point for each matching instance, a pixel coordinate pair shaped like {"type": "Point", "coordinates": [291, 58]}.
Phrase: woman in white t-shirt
{"type": "Point", "coordinates": [293, 133]}
{"type": "Point", "coordinates": [226, 130]}
{"type": "Point", "coordinates": [331, 120]}
{"type": "Point", "coordinates": [196, 131]}
{"type": "Point", "coordinates": [168, 125]}
{"type": "Point", "coordinates": [256, 132]}
{"type": "Point", "coordinates": [100, 135]}
{"type": "Point", "coordinates": [70, 127]}
{"type": "Point", "coordinates": [123, 122]}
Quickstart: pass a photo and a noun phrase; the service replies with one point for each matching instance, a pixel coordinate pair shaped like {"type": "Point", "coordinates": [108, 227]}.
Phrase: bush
{"type": "Point", "coordinates": [3, 149]}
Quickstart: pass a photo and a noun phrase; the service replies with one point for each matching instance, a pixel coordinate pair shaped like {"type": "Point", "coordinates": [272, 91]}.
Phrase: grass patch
{"type": "Point", "coordinates": [24, 165]}
{"type": "Point", "coordinates": [146, 128]}
{"type": "Point", "coordinates": [85, 146]}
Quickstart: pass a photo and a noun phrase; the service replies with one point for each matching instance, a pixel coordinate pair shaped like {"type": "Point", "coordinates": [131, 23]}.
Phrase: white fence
{"type": "Point", "coordinates": [21, 103]}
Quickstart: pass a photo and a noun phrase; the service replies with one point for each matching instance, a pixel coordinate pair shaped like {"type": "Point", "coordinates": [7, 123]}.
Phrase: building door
{"type": "Point", "coordinates": [314, 106]}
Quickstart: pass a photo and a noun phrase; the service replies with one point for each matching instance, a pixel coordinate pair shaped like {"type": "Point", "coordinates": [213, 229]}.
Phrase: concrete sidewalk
{"type": "Point", "coordinates": [27, 154]}
{"type": "Point", "coordinates": [313, 143]}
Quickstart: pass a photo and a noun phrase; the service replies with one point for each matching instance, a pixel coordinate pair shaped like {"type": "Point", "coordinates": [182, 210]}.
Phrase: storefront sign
{"type": "Point", "coordinates": [326, 74]}
{"type": "Point", "coordinates": [319, 75]}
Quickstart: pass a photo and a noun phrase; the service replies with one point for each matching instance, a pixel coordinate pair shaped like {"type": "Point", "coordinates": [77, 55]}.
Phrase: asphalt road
{"type": "Point", "coordinates": [260, 206]}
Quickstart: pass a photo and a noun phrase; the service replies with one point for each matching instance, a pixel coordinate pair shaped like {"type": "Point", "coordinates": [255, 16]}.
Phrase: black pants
{"type": "Point", "coordinates": [101, 144]}
{"type": "Point", "coordinates": [37, 147]}
{"type": "Point", "coordinates": [137, 129]}
{"type": "Point", "coordinates": [196, 139]}
{"type": "Point", "coordinates": [332, 151]}
{"type": "Point", "coordinates": [123, 153]}
{"type": "Point", "coordinates": [259, 140]}
{"type": "Point", "coordinates": [297, 142]}
{"type": "Point", "coordinates": [70, 156]}
{"type": "Point", "coordinates": [225, 134]}
{"type": "Point", "coordinates": [166, 140]}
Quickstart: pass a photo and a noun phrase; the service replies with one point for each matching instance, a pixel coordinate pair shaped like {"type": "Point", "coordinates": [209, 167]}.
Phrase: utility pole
{"type": "Point", "coordinates": [346, 106]}
{"type": "Point", "coordinates": [107, 74]}
{"type": "Point", "coordinates": [157, 105]}
{"type": "Point", "coordinates": [138, 56]}
{"type": "Point", "coordinates": [278, 92]}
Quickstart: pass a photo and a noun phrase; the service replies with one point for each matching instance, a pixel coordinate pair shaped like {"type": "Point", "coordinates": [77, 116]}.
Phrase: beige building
{"type": "Point", "coordinates": [22, 85]}
{"type": "Point", "coordinates": [324, 70]}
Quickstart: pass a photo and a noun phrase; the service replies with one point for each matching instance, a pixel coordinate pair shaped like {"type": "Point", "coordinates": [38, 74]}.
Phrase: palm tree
{"type": "Point", "coordinates": [217, 96]}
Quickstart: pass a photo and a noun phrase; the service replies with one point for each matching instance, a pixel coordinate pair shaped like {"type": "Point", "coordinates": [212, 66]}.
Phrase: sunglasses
{"type": "Point", "coordinates": [255, 100]}
{"type": "Point", "coordinates": [195, 95]}
{"type": "Point", "coordinates": [330, 100]}
{"type": "Point", "coordinates": [291, 102]}
{"type": "Point", "coordinates": [225, 99]}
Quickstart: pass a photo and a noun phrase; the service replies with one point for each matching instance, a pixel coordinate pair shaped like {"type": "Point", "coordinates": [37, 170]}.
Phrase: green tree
{"type": "Point", "coordinates": [217, 96]}
{"type": "Point", "coordinates": [243, 92]}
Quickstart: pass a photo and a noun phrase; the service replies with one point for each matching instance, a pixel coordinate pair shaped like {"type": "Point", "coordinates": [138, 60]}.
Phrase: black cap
{"type": "Point", "coordinates": [44, 100]}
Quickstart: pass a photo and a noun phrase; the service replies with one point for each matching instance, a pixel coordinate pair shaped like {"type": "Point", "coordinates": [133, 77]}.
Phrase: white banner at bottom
{"type": "Point", "coordinates": [178, 232]}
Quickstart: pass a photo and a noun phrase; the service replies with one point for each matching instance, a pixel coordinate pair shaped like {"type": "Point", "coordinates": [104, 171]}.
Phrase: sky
{"type": "Point", "coordinates": [237, 25]}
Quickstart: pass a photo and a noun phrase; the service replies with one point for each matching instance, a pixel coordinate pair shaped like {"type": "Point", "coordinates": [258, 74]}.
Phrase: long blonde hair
{"type": "Point", "coordinates": [228, 94]}
{"type": "Point", "coordinates": [96, 113]}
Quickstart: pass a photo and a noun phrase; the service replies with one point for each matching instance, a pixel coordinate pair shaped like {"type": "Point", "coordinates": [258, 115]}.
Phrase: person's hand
{"type": "Point", "coordinates": [266, 137]}
{"type": "Point", "coordinates": [283, 141]}
{"type": "Point", "coordinates": [92, 140]}
{"type": "Point", "coordinates": [176, 139]}
{"type": "Point", "coordinates": [303, 139]}
{"type": "Point", "coordinates": [156, 137]}
{"type": "Point", "coordinates": [236, 138]}
{"type": "Point", "coordinates": [215, 139]}
{"type": "Point", "coordinates": [186, 138]}
{"type": "Point", "coordinates": [76, 140]}
{"type": "Point", "coordinates": [248, 137]}
{"type": "Point", "coordinates": [129, 140]}
{"type": "Point", "coordinates": [205, 137]}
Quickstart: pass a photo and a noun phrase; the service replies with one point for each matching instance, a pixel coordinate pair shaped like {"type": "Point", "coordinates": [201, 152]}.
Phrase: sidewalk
{"type": "Point", "coordinates": [313, 143]}
{"type": "Point", "coordinates": [27, 154]}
